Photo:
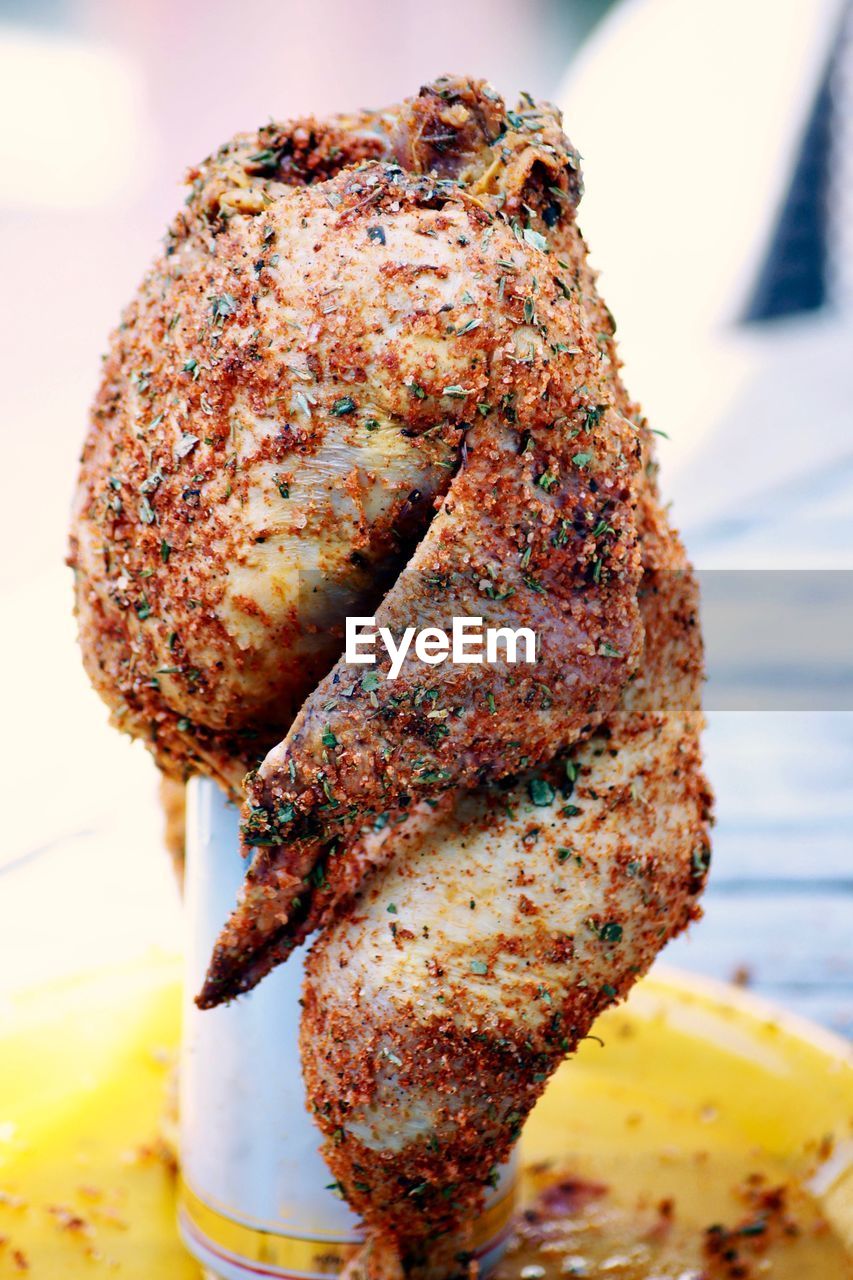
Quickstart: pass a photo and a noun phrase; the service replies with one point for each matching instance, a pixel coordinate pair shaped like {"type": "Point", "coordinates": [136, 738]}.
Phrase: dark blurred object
{"type": "Point", "coordinates": [796, 274]}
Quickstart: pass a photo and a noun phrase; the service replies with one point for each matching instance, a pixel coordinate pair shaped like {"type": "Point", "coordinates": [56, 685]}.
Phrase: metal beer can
{"type": "Point", "coordinates": [255, 1196]}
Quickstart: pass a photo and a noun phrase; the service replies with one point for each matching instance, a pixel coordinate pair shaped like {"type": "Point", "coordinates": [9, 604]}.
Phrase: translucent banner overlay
{"type": "Point", "coordinates": [778, 639]}
{"type": "Point", "coordinates": [775, 640]}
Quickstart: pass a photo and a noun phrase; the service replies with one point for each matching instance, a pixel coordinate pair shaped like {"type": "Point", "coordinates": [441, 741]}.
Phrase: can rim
{"type": "Point", "coordinates": [281, 1253]}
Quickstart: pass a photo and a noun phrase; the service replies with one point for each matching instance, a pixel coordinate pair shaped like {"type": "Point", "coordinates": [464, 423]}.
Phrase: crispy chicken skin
{"type": "Point", "coordinates": [371, 373]}
{"type": "Point", "coordinates": [357, 327]}
{"type": "Point", "coordinates": [359, 348]}
{"type": "Point", "coordinates": [484, 329]}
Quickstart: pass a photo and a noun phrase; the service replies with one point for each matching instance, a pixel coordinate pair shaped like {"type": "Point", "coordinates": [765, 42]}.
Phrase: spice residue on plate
{"type": "Point", "coordinates": [706, 1229]}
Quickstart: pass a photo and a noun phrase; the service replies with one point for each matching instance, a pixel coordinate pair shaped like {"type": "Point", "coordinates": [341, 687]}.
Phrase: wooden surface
{"type": "Point", "coordinates": [770, 491]}
{"type": "Point", "coordinates": [779, 903]}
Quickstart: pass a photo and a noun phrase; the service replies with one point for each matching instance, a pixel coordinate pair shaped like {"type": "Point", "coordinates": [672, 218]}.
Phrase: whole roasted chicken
{"type": "Point", "coordinates": [370, 373]}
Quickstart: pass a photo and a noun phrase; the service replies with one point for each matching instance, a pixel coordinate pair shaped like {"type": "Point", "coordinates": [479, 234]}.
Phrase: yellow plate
{"type": "Point", "coordinates": [693, 1075]}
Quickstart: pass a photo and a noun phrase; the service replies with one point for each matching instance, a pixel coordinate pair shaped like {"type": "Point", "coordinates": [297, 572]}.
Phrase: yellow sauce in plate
{"type": "Point", "coordinates": [706, 1135]}
{"type": "Point", "coordinates": [699, 1105]}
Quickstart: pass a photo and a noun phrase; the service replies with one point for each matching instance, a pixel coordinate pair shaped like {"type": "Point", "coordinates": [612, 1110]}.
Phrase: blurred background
{"type": "Point", "coordinates": [718, 156]}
